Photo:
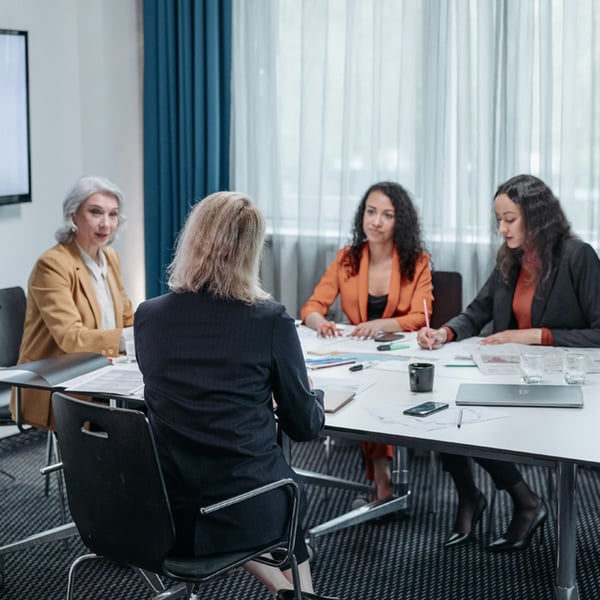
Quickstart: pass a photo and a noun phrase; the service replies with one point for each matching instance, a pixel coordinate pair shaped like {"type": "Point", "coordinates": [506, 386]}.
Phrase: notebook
{"type": "Point", "coordinates": [335, 398]}
{"type": "Point", "coordinates": [500, 394]}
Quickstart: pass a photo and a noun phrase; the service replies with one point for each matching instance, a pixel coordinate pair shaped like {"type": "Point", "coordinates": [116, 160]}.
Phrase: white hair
{"type": "Point", "coordinates": [84, 188]}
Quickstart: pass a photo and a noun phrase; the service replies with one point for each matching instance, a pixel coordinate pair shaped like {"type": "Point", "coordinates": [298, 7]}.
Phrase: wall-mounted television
{"type": "Point", "coordinates": [15, 164]}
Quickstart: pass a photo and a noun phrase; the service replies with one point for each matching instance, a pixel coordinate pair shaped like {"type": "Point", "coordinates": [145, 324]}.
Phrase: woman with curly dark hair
{"type": "Point", "coordinates": [383, 278]}
{"type": "Point", "coordinates": [544, 290]}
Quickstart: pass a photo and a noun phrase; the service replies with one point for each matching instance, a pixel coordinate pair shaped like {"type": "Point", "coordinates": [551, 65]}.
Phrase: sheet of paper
{"type": "Point", "coordinates": [120, 380]}
{"type": "Point", "coordinates": [354, 385]}
{"type": "Point", "coordinates": [8, 374]}
{"type": "Point", "coordinates": [439, 420]}
{"type": "Point", "coordinates": [503, 359]}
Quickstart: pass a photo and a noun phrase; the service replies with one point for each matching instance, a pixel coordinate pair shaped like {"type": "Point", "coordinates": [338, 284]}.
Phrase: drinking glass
{"type": "Point", "coordinates": [532, 367]}
{"type": "Point", "coordinates": [574, 365]}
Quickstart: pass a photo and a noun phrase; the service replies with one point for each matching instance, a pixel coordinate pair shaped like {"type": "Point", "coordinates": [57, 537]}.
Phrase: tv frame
{"type": "Point", "coordinates": [20, 195]}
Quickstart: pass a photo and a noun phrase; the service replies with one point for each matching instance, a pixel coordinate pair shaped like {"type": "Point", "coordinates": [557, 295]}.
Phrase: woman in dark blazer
{"type": "Point", "coordinates": [544, 290]}
{"type": "Point", "coordinates": [216, 353]}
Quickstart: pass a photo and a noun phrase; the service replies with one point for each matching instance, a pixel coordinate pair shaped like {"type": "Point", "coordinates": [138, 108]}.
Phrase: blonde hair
{"type": "Point", "coordinates": [219, 248]}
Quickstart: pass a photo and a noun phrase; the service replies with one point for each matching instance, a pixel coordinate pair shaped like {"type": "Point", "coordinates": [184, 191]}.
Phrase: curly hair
{"type": "Point", "coordinates": [407, 230]}
{"type": "Point", "coordinates": [546, 226]}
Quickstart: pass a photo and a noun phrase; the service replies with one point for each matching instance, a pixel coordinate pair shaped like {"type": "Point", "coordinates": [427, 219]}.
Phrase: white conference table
{"type": "Point", "coordinates": [562, 437]}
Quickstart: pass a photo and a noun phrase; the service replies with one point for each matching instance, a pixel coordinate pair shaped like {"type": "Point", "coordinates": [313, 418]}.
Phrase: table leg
{"type": "Point", "coordinates": [566, 575]}
{"type": "Point", "coordinates": [374, 509]}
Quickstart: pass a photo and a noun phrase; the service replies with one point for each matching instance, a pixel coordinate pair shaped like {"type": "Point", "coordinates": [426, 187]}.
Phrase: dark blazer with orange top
{"type": "Point", "coordinates": [63, 316]}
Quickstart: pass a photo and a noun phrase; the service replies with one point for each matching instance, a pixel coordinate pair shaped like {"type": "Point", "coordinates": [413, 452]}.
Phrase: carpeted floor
{"type": "Point", "coordinates": [399, 559]}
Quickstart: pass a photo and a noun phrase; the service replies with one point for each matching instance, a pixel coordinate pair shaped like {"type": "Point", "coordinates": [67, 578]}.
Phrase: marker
{"type": "Point", "coordinates": [361, 366]}
{"type": "Point", "coordinates": [393, 347]}
{"type": "Point", "coordinates": [459, 422]}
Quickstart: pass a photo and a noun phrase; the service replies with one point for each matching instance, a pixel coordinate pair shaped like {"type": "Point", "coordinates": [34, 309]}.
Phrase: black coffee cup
{"type": "Point", "coordinates": [421, 377]}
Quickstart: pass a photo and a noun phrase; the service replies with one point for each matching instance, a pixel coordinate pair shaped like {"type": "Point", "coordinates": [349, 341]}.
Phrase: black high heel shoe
{"type": "Point", "coordinates": [503, 545]}
{"type": "Point", "coordinates": [456, 538]}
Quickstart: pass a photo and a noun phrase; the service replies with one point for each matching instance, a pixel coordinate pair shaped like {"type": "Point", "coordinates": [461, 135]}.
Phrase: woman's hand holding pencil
{"type": "Point", "coordinates": [431, 338]}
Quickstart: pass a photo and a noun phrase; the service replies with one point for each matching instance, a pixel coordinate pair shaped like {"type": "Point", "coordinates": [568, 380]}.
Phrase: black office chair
{"type": "Point", "coordinates": [119, 502]}
{"type": "Point", "coordinates": [447, 293]}
{"type": "Point", "coordinates": [12, 318]}
{"type": "Point", "coordinates": [13, 304]}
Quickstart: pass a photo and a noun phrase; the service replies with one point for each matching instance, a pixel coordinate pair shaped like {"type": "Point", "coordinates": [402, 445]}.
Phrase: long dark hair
{"type": "Point", "coordinates": [407, 230]}
{"type": "Point", "coordinates": [546, 227]}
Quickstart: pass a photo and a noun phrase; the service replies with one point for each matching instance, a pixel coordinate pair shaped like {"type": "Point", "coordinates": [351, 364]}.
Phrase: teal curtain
{"type": "Point", "coordinates": [187, 96]}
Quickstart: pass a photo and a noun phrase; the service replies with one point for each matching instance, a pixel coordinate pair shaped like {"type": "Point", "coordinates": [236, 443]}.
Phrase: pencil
{"type": "Point", "coordinates": [427, 323]}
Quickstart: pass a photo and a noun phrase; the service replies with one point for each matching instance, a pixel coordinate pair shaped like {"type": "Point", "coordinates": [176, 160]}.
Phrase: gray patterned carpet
{"type": "Point", "coordinates": [399, 559]}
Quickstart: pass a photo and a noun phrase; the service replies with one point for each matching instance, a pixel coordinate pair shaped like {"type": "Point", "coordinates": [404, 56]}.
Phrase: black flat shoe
{"type": "Point", "coordinates": [503, 545]}
{"type": "Point", "coordinates": [289, 595]}
{"type": "Point", "coordinates": [456, 538]}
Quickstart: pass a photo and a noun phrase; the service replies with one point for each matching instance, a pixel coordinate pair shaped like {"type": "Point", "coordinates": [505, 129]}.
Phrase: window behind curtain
{"type": "Point", "coordinates": [447, 98]}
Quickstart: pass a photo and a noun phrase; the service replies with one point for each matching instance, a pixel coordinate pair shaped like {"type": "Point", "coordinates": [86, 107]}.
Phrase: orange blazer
{"type": "Point", "coordinates": [405, 298]}
{"type": "Point", "coordinates": [63, 316]}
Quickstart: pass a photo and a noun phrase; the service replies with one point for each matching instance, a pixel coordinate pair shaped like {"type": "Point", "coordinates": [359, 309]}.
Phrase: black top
{"type": "Point", "coordinates": [375, 306]}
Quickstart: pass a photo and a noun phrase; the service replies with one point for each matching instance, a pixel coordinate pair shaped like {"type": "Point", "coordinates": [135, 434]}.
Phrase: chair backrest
{"type": "Point", "coordinates": [447, 293]}
{"type": "Point", "coordinates": [114, 482]}
{"type": "Point", "coordinates": [12, 319]}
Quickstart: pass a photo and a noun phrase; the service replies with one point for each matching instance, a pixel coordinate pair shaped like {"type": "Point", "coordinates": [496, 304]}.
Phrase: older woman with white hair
{"type": "Point", "coordinates": [76, 301]}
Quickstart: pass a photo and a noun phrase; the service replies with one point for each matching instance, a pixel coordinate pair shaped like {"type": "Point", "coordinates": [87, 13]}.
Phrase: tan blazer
{"type": "Point", "coordinates": [63, 316]}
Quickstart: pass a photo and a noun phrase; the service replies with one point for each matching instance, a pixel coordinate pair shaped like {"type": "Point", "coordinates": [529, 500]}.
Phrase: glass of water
{"type": "Point", "coordinates": [532, 367]}
{"type": "Point", "coordinates": [130, 350]}
{"type": "Point", "coordinates": [575, 367]}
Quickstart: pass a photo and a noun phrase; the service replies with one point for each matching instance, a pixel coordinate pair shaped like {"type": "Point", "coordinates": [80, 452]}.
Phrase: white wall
{"type": "Point", "coordinates": [85, 84]}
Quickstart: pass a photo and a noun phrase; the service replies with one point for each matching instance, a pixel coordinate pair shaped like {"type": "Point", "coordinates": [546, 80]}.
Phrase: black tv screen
{"type": "Point", "coordinates": [15, 166]}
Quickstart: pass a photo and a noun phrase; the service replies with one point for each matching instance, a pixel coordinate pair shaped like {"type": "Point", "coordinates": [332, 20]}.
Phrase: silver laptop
{"type": "Point", "coordinates": [500, 394]}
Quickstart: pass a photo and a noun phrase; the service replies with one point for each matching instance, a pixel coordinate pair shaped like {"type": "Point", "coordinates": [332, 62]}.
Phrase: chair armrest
{"type": "Point", "coordinates": [290, 483]}
{"type": "Point", "coordinates": [51, 468]}
{"type": "Point", "coordinates": [287, 543]}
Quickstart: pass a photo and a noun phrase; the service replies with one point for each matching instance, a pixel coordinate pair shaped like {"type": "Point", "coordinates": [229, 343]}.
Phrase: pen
{"type": "Point", "coordinates": [333, 364]}
{"type": "Point", "coordinates": [427, 322]}
{"type": "Point", "coordinates": [459, 422]}
{"type": "Point", "coordinates": [393, 347]}
{"type": "Point", "coordinates": [361, 366]}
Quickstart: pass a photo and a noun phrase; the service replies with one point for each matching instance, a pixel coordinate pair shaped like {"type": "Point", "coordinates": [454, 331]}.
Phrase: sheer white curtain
{"type": "Point", "coordinates": [447, 98]}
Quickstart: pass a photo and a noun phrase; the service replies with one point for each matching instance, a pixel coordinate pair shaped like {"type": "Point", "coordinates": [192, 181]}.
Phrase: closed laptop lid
{"type": "Point", "coordinates": [501, 394]}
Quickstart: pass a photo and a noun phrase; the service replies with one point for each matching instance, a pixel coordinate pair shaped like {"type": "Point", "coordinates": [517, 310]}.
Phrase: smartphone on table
{"type": "Point", "coordinates": [388, 337]}
{"type": "Point", "coordinates": [426, 408]}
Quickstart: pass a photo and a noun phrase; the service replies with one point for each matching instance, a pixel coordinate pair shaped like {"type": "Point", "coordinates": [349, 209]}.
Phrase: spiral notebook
{"type": "Point", "coordinates": [506, 394]}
